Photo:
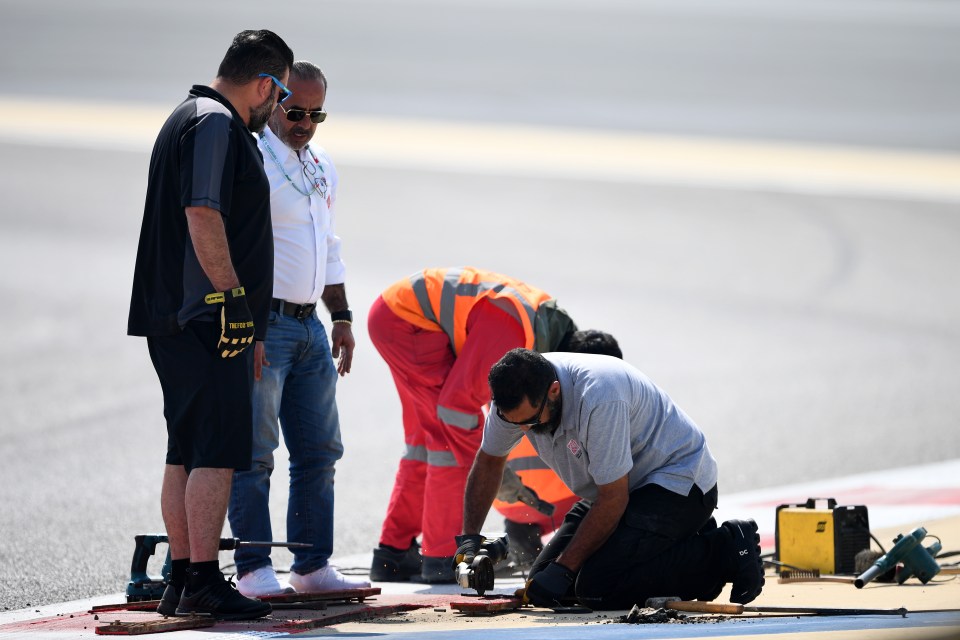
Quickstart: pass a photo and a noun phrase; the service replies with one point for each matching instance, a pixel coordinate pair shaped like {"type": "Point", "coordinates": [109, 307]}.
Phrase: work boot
{"type": "Point", "coordinates": [262, 582]}
{"type": "Point", "coordinates": [396, 565]}
{"type": "Point", "coordinates": [326, 578]}
{"type": "Point", "coordinates": [748, 577]}
{"type": "Point", "coordinates": [170, 600]}
{"type": "Point", "coordinates": [525, 543]}
{"type": "Point", "coordinates": [220, 599]}
{"type": "Point", "coordinates": [437, 570]}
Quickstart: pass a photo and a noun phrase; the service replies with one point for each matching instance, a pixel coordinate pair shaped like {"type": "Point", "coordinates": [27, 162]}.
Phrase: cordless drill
{"type": "Point", "coordinates": [143, 586]}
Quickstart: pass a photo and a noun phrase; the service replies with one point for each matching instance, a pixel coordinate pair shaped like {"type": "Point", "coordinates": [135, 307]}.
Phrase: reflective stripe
{"type": "Point", "coordinates": [511, 309]}
{"type": "Point", "coordinates": [468, 289]}
{"type": "Point", "coordinates": [419, 284]}
{"type": "Point", "coordinates": [527, 463]}
{"type": "Point", "coordinates": [457, 418]}
{"type": "Point", "coordinates": [451, 316]}
{"type": "Point", "coordinates": [499, 287]}
{"type": "Point", "coordinates": [453, 288]}
{"type": "Point", "coordinates": [417, 453]}
{"type": "Point", "coordinates": [441, 459]}
{"type": "Point", "coordinates": [448, 303]}
{"type": "Point", "coordinates": [420, 453]}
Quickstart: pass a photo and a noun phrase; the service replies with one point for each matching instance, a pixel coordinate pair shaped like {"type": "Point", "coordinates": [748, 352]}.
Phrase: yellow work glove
{"type": "Point", "coordinates": [467, 549]}
{"type": "Point", "coordinates": [236, 321]}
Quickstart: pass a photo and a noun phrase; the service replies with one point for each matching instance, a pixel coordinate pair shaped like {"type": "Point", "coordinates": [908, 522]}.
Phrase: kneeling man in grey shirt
{"type": "Point", "coordinates": [649, 485]}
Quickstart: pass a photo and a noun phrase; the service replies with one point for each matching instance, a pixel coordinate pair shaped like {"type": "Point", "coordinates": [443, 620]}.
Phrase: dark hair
{"type": "Point", "coordinates": [252, 53]}
{"type": "Point", "coordinates": [519, 374]}
{"type": "Point", "coordinates": [592, 341]}
{"type": "Point", "coordinates": [303, 70]}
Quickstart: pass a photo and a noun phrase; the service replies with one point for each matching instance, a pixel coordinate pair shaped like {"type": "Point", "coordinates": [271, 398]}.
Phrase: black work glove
{"type": "Point", "coordinates": [467, 549]}
{"type": "Point", "coordinates": [548, 587]}
{"type": "Point", "coordinates": [236, 321]}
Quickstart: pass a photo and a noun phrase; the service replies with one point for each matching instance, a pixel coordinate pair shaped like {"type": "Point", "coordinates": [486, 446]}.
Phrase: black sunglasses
{"type": "Point", "coordinates": [296, 115]}
{"type": "Point", "coordinates": [535, 420]}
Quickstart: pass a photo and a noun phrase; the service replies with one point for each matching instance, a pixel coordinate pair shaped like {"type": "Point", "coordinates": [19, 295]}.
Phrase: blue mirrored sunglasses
{"type": "Point", "coordinates": [284, 92]}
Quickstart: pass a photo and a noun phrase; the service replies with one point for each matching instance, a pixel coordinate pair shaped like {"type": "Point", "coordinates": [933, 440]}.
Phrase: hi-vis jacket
{"type": "Point", "coordinates": [441, 299]}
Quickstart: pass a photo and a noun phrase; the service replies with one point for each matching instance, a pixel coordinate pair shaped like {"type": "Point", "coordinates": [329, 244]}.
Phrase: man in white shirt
{"type": "Point", "coordinates": [294, 367]}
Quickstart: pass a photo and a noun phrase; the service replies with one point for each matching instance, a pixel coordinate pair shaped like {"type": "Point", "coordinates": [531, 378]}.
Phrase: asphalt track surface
{"type": "Point", "coordinates": [809, 324]}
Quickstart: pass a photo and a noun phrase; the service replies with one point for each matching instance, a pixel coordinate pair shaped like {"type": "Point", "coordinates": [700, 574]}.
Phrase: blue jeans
{"type": "Point", "coordinates": [298, 389]}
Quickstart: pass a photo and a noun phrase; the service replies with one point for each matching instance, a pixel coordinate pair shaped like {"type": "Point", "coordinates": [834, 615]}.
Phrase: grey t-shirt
{"type": "Point", "coordinates": [614, 421]}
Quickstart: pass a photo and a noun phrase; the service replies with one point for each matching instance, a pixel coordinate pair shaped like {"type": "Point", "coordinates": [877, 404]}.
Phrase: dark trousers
{"type": "Point", "coordinates": [665, 544]}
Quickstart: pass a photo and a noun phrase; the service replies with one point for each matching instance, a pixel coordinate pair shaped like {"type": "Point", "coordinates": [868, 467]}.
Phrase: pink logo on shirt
{"type": "Point", "coordinates": [574, 447]}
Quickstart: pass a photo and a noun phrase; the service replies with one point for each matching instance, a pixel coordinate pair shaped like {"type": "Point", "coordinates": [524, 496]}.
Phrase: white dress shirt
{"type": "Point", "coordinates": [306, 247]}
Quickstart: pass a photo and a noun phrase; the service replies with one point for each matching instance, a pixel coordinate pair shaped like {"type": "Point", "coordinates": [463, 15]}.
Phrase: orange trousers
{"type": "Point", "coordinates": [427, 496]}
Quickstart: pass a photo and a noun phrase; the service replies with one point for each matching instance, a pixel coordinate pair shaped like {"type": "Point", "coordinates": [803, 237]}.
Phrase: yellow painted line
{"type": "Point", "coordinates": [534, 151]}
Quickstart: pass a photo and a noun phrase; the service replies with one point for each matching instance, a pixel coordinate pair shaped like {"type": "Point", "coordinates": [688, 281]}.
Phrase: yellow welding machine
{"type": "Point", "coordinates": [814, 535]}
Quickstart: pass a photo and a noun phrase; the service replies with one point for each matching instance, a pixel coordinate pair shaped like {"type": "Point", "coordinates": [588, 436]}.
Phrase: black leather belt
{"type": "Point", "coordinates": [298, 311]}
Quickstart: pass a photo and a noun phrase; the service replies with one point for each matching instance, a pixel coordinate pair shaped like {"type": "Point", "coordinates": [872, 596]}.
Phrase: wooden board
{"type": "Point", "coordinates": [117, 628]}
{"type": "Point", "coordinates": [343, 595]}
{"type": "Point", "coordinates": [313, 605]}
{"type": "Point", "coordinates": [365, 613]}
{"type": "Point", "coordinates": [140, 605]}
{"type": "Point", "coordinates": [486, 604]}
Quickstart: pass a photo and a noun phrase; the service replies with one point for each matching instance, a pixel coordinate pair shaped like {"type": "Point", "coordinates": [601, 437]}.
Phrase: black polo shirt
{"type": "Point", "coordinates": [203, 156]}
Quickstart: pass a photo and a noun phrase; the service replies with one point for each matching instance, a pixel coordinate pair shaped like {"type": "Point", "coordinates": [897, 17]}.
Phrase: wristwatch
{"type": "Point", "coordinates": [342, 316]}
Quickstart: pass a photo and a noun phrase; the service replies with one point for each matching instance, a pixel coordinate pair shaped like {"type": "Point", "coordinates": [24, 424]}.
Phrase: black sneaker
{"type": "Point", "coordinates": [221, 600]}
{"type": "Point", "coordinates": [748, 566]}
{"type": "Point", "coordinates": [395, 565]}
{"type": "Point", "coordinates": [524, 541]}
{"type": "Point", "coordinates": [169, 601]}
{"type": "Point", "coordinates": [437, 570]}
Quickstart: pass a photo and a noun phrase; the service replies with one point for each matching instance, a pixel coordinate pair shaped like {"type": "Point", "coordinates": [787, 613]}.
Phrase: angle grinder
{"type": "Point", "coordinates": [479, 574]}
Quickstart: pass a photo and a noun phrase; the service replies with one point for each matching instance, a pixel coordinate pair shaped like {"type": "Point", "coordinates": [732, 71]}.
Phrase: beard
{"type": "Point", "coordinates": [260, 114]}
{"type": "Point", "coordinates": [550, 425]}
{"type": "Point", "coordinates": [296, 130]}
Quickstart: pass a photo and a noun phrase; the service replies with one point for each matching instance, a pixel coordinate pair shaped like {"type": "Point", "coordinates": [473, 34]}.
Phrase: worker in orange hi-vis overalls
{"type": "Point", "coordinates": [439, 331]}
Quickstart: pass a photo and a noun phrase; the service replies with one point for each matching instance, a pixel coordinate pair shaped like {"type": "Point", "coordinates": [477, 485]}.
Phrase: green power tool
{"type": "Point", "coordinates": [143, 586]}
{"type": "Point", "coordinates": [914, 560]}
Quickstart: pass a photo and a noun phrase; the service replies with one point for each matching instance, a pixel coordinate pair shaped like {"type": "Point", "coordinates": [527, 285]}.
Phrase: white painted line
{"type": "Point", "coordinates": [51, 610]}
{"type": "Point", "coordinates": [540, 152]}
{"type": "Point", "coordinates": [907, 497]}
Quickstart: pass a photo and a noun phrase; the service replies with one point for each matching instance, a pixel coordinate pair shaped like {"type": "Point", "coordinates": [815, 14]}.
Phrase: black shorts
{"type": "Point", "coordinates": [206, 399]}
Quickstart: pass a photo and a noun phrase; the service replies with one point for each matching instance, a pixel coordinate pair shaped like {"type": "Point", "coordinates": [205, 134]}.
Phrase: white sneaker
{"type": "Point", "coordinates": [262, 582]}
{"type": "Point", "coordinates": [325, 579]}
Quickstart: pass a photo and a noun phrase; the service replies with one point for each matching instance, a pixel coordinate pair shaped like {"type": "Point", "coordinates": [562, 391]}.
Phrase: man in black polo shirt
{"type": "Point", "coordinates": [201, 293]}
